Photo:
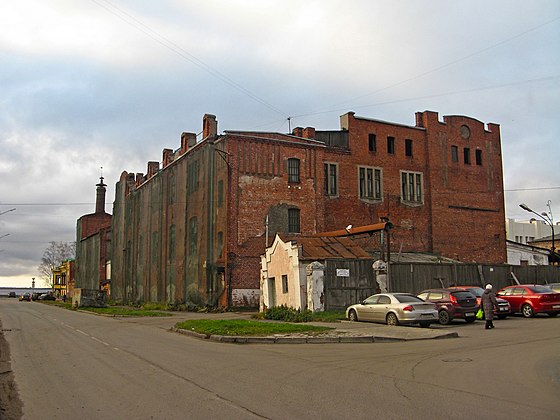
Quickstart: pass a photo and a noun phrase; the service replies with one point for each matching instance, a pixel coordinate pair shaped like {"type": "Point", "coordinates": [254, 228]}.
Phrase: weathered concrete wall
{"type": "Point", "coordinates": [89, 297]}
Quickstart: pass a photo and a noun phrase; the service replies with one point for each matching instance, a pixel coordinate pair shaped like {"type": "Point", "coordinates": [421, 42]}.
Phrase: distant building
{"type": "Point", "coordinates": [64, 278]}
{"type": "Point", "coordinates": [525, 232]}
{"type": "Point", "coordinates": [93, 245]}
{"type": "Point", "coordinates": [193, 229]}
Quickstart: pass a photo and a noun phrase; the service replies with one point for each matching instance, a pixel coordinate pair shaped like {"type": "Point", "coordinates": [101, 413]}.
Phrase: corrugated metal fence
{"type": "Point", "coordinates": [359, 281]}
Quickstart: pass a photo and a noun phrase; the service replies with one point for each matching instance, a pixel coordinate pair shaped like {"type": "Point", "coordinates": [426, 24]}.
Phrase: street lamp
{"type": "Point", "coordinates": [548, 219]}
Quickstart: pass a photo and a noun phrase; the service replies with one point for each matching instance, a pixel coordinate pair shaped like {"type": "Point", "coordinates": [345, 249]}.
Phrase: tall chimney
{"type": "Point", "coordinates": [100, 198]}
{"type": "Point", "coordinates": [209, 126]}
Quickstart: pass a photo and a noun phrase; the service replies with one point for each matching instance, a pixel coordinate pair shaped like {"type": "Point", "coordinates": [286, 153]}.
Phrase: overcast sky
{"type": "Point", "coordinates": [94, 83]}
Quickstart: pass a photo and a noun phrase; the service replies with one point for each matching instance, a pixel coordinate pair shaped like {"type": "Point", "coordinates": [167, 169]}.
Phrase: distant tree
{"type": "Point", "coordinates": [55, 254]}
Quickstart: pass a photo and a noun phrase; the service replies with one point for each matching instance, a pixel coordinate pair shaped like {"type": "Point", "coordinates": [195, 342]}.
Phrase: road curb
{"type": "Point", "coordinates": [307, 340]}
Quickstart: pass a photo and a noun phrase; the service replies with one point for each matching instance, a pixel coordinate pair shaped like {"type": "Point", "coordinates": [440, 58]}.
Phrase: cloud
{"type": "Point", "coordinates": [101, 83]}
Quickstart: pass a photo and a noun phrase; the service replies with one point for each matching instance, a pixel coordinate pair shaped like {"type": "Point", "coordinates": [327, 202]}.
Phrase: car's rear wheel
{"type": "Point", "coordinates": [444, 318]}
{"type": "Point", "coordinates": [552, 314]}
{"type": "Point", "coordinates": [527, 311]}
{"type": "Point", "coordinates": [392, 319]}
{"type": "Point", "coordinates": [470, 319]}
{"type": "Point", "coordinates": [352, 316]}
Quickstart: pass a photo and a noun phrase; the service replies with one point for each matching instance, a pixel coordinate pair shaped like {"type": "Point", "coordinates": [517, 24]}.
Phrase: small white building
{"type": "Point", "coordinates": [293, 270]}
{"type": "Point", "coordinates": [521, 254]}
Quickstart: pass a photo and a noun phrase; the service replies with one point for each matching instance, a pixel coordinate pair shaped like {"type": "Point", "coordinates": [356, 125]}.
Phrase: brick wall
{"type": "Point", "coordinates": [243, 178]}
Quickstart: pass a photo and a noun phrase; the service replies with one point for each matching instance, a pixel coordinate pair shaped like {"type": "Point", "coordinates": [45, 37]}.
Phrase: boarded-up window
{"type": "Point", "coordinates": [171, 253]}
{"type": "Point", "coordinates": [220, 193]}
{"type": "Point", "coordinates": [193, 236]}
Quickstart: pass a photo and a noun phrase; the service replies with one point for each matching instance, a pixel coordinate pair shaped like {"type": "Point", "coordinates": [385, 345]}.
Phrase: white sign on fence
{"type": "Point", "coordinates": [342, 272]}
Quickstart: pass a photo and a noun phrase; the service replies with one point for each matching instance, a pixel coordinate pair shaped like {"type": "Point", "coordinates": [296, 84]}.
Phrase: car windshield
{"type": "Point", "coordinates": [407, 298]}
{"type": "Point", "coordinates": [540, 289]}
{"type": "Point", "coordinates": [477, 291]}
{"type": "Point", "coordinates": [462, 295]}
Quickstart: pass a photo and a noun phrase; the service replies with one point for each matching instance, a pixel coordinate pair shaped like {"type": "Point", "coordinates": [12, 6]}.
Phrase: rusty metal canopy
{"type": "Point", "coordinates": [324, 248]}
{"type": "Point", "coordinates": [360, 230]}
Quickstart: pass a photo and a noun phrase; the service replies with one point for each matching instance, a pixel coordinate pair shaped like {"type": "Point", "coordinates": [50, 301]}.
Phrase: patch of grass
{"type": "Point", "coordinates": [242, 327]}
{"type": "Point", "coordinates": [154, 306]}
{"type": "Point", "coordinates": [328, 316]}
{"type": "Point", "coordinates": [284, 313]}
{"type": "Point", "coordinates": [123, 311]}
{"type": "Point", "coordinates": [287, 314]}
{"type": "Point", "coordinates": [65, 305]}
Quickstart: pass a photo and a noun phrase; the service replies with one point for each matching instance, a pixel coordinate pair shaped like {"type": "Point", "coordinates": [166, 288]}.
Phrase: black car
{"type": "Point", "coordinates": [46, 296]}
{"type": "Point", "coordinates": [12, 294]}
{"type": "Point", "coordinates": [26, 296]}
{"type": "Point", "coordinates": [452, 304]}
{"type": "Point", "coordinates": [503, 309]}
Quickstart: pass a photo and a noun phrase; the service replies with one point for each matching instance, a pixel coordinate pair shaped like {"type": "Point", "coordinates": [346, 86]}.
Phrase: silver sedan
{"type": "Point", "coordinates": [394, 309]}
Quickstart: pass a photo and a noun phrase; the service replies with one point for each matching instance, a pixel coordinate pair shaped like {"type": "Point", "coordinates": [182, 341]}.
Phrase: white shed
{"type": "Point", "coordinates": [292, 270]}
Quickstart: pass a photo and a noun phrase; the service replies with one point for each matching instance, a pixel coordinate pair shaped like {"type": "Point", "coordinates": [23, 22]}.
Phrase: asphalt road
{"type": "Point", "coordinates": [75, 365]}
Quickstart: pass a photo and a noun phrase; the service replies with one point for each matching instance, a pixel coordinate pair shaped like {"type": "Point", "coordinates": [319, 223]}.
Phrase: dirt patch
{"type": "Point", "coordinates": [10, 404]}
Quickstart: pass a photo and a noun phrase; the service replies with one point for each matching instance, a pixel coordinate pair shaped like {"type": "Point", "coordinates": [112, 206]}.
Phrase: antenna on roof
{"type": "Point", "coordinates": [289, 124]}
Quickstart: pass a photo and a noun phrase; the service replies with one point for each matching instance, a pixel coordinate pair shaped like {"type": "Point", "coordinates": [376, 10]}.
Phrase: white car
{"type": "Point", "coordinates": [394, 309]}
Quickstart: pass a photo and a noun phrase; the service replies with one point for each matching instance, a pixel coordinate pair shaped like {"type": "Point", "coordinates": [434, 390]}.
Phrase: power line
{"type": "Point", "coordinates": [180, 51]}
{"type": "Point", "coordinates": [420, 75]}
{"type": "Point", "coordinates": [436, 95]}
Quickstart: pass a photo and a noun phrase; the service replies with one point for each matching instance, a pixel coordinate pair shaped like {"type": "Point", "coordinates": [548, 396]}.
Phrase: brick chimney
{"type": "Point", "coordinates": [209, 126]}
{"type": "Point", "coordinates": [419, 119]}
{"type": "Point", "coordinates": [100, 198]}
{"type": "Point", "coordinates": [309, 133]}
{"type": "Point", "coordinates": [297, 131]}
{"type": "Point", "coordinates": [153, 168]}
{"type": "Point", "coordinates": [167, 157]}
{"type": "Point", "coordinates": [188, 140]}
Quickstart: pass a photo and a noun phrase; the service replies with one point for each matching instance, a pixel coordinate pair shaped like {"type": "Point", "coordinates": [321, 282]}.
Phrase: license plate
{"type": "Point", "coordinates": [556, 307]}
{"type": "Point", "coordinates": [469, 314]}
{"type": "Point", "coordinates": [503, 309]}
{"type": "Point", "coordinates": [428, 315]}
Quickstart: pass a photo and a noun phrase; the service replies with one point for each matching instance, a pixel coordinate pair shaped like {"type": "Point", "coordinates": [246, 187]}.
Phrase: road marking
{"type": "Point", "coordinates": [81, 332]}
{"type": "Point", "coordinates": [100, 341]}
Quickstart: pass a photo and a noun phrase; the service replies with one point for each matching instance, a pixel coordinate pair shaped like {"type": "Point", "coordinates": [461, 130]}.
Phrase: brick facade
{"type": "Point", "coordinates": [192, 231]}
{"type": "Point", "coordinates": [93, 244]}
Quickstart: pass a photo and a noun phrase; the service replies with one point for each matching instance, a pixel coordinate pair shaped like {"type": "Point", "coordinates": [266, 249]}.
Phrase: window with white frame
{"type": "Point", "coordinates": [369, 182]}
{"type": "Point", "coordinates": [412, 187]}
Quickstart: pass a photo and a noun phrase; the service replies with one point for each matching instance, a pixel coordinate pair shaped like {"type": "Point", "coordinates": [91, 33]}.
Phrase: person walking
{"type": "Point", "coordinates": [488, 302]}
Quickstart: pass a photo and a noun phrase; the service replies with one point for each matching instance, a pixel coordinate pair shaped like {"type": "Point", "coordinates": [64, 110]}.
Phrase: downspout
{"type": "Point", "coordinates": [210, 227]}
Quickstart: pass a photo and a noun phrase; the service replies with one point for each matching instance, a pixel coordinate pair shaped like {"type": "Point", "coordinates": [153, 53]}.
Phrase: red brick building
{"type": "Point", "coordinates": [192, 231]}
{"type": "Point", "coordinates": [93, 244]}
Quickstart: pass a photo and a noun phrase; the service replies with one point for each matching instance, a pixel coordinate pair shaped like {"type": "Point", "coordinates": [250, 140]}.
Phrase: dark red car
{"type": "Point", "coordinates": [504, 308]}
{"type": "Point", "coordinates": [531, 299]}
{"type": "Point", "coordinates": [452, 304]}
